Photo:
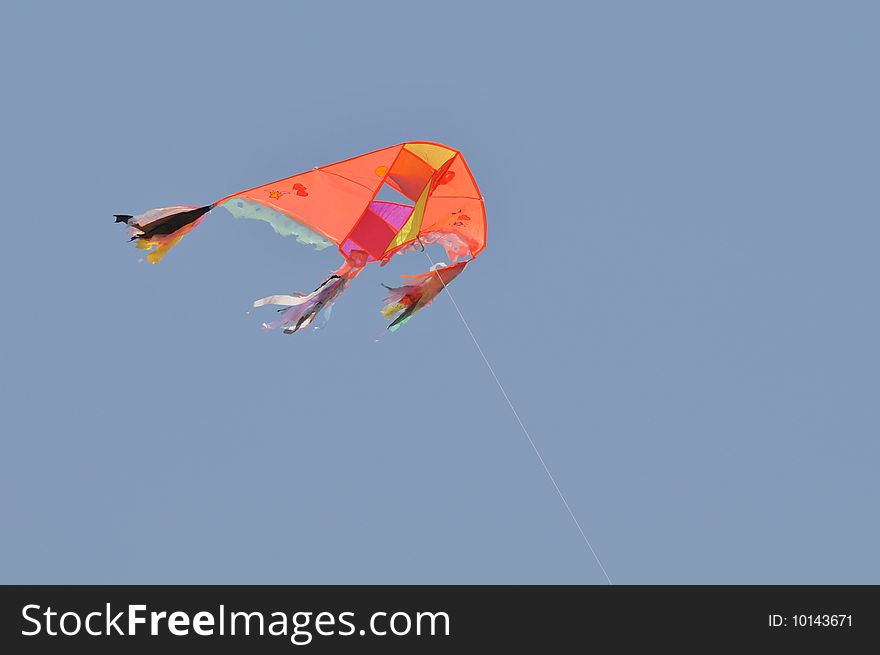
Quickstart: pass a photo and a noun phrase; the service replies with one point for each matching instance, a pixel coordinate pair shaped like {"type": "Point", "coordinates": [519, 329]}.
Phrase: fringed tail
{"type": "Point", "coordinates": [405, 301]}
{"type": "Point", "coordinates": [159, 230]}
{"type": "Point", "coordinates": [298, 311]}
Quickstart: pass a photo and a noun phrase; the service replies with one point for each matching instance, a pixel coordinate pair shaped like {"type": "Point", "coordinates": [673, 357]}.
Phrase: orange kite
{"type": "Point", "coordinates": [337, 204]}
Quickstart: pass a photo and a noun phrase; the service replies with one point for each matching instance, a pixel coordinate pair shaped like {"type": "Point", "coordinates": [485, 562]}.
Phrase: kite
{"type": "Point", "coordinates": [338, 204]}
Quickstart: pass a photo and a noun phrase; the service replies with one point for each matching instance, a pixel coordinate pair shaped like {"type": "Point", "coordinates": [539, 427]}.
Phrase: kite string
{"type": "Point", "coordinates": [522, 425]}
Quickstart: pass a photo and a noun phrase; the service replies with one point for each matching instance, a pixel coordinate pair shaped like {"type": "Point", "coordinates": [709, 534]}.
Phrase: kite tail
{"type": "Point", "coordinates": [406, 300]}
{"type": "Point", "coordinates": [159, 230]}
{"type": "Point", "coordinates": [299, 310]}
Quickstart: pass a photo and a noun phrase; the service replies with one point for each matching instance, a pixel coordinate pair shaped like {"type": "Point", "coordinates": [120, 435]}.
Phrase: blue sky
{"type": "Point", "coordinates": [679, 295]}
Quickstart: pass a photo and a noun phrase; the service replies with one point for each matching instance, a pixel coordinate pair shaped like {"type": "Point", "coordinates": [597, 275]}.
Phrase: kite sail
{"type": "Point", "coordinates": [338, 204]}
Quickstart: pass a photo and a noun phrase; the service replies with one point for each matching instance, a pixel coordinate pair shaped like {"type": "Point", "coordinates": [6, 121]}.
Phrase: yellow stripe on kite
{"type": "Point", "coordinates": [410, 229]}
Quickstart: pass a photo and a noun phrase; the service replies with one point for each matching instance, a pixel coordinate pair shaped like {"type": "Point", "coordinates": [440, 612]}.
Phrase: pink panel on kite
{"type": "Point", "coordinates": [350, 245]}
{"type": "Point", "coordinates": [373, 234]}
{"type": "Point", "coordinates": [394, 213]}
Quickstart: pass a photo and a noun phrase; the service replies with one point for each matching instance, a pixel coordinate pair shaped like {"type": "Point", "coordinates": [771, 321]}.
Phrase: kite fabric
{"type": "Point", "coordinates": [337, 205]}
